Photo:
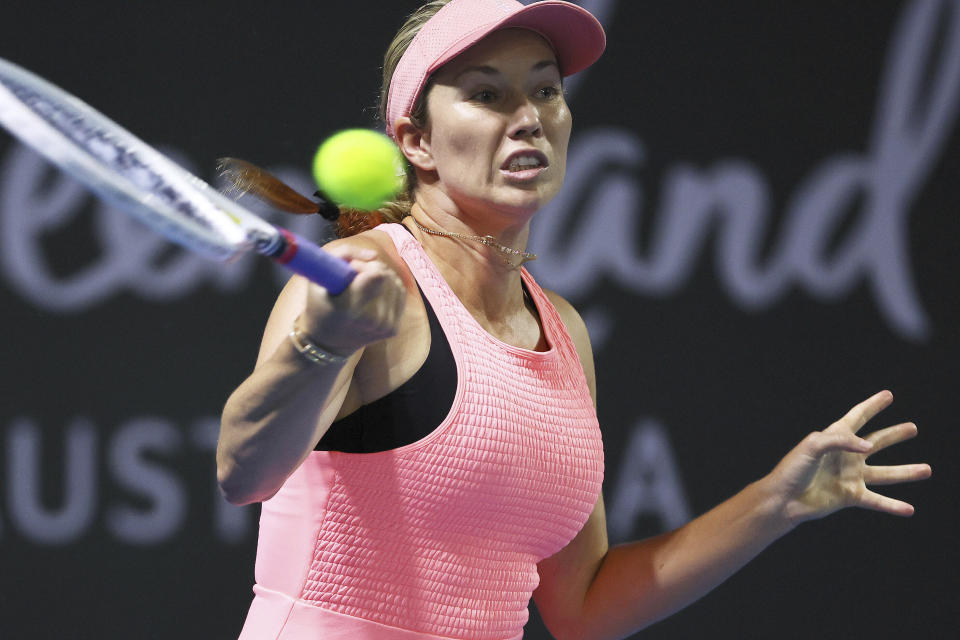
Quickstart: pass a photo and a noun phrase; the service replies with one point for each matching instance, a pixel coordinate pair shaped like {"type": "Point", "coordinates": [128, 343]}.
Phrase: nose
{"type": "Point", "coordinates": [526, 121]}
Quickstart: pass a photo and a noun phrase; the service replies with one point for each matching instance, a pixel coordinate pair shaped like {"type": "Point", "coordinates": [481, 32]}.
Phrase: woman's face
{"type": "Point", "coordinates": [498, 125]}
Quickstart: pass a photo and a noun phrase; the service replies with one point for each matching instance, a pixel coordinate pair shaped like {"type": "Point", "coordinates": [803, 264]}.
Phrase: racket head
{"type": "Point", "coordinates": [126, 171]}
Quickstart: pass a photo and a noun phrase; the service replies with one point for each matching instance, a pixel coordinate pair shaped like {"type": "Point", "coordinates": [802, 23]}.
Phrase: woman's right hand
{"type": "Point", "coordinates": [369, 310]}
{"type": "Point", "coordinates": [274, 419]}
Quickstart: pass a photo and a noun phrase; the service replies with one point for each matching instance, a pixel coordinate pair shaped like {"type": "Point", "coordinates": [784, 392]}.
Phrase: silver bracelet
{"type": "Point", "coordinates": [312, 352]}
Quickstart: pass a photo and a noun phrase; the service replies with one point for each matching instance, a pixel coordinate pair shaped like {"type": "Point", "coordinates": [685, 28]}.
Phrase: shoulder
{"type": "Point", "coordinates": [378, 241]}
{"type": "Point", "coordinates": [382, 243]}
{"type": "Point", "coordinates": [577, 329]}
{"type": "Point", "coordinates": [570, 317]}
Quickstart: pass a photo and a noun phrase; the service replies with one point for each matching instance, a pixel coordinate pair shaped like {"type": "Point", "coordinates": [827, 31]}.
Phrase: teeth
{"type": "Point", "coordinates": [524, 162]}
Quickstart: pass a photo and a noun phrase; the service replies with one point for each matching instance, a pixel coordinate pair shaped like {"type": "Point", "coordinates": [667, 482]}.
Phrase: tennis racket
{"type": "Point", "coordinates": [138, 179]}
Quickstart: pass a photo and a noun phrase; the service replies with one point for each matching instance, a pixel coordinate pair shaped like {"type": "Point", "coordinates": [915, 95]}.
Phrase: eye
{"type": "Point", "coordinates": [549, 92]}
{"type": "Point", "coordinates": [484, 96]}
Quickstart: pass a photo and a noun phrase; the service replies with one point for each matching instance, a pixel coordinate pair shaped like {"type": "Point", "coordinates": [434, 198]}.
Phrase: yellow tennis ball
{"type": "Point", "coordinates": [359, 169]}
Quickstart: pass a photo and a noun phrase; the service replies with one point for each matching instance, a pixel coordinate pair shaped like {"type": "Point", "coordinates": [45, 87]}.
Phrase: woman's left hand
{"type": "Point", "coordinates": [828, 471]}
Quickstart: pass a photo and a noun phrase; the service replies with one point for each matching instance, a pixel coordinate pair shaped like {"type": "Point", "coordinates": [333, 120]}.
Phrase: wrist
{"type": "Point", "coordinates": [316, 353]}
{"type": "Point", "coordinates": [773, 508]}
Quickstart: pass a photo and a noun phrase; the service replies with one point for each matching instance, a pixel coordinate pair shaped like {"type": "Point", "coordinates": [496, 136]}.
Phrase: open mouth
{"type": "Point", "coordinates": [525, 161]}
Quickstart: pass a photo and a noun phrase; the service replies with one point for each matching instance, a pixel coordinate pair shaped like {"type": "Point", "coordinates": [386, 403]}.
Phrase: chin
{"type": "Point", "coordinates": [527, 201]}
{"type": "Point", "coordinates": [521, 207]}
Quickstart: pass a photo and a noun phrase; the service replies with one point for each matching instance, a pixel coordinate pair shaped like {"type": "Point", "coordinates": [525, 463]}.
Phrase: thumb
{"type": "Point", "coordinates": [821, 442]}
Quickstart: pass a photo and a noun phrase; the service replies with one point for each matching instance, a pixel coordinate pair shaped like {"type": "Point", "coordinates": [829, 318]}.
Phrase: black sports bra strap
{"type": "Point", "coordinates": [406, 414]}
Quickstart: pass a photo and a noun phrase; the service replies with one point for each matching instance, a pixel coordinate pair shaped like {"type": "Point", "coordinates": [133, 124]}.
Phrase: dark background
{"type": "Point", "coordinates": [777, 87]}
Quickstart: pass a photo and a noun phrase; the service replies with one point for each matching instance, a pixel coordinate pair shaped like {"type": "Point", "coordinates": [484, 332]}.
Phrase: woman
{"type": "Point", "coordinates": [425, 443]}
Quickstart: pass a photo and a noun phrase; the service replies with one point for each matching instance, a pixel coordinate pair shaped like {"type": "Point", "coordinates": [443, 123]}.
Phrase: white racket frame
{"type": "Point", "coordinates": [126, 171]}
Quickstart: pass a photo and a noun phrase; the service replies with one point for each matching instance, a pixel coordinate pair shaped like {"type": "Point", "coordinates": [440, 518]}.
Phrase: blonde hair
{"type": "Point", "coordinates": [352, 222]}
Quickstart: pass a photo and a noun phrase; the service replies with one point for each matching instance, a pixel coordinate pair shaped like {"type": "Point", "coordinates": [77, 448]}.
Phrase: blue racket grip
{"type": "Point", "coordinates": [304, 257]}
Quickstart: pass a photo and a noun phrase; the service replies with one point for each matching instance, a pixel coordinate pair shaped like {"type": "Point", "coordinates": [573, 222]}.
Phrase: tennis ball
{"type": "Point", "coordinates": [359, 168]}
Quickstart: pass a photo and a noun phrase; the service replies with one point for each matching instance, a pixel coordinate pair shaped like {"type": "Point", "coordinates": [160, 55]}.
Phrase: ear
{"type": "Point", "coordinates": [414, 143]}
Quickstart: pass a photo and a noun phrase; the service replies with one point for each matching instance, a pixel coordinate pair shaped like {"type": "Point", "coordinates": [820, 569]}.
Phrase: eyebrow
{"type": "Point", "coordinates": [491, 71]}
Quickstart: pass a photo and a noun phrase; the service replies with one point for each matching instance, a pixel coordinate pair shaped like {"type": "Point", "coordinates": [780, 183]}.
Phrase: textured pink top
{"type": "Point", "coordinates": [439, 538]}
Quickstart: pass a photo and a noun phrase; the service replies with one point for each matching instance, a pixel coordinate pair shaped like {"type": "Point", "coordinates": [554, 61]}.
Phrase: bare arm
{"type": "Point", "coordinates": [274, 419]}
{"type": "Point", "coordinates": [589, 590]}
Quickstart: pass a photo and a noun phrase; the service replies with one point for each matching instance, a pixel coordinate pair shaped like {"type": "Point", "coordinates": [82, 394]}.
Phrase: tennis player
{"type": "Point", "coordinates": [425, 444]}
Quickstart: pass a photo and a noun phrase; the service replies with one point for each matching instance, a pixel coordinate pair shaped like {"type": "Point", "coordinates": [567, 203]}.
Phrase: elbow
{"type": "Point", "coordinates": [230, 482]}
{"type": "Point", "coordinates": [252, 465]}
{"type": "Point", "coordinates": [231, 488]}
{"type": "Point", "coordinates": [238, 492]}
{"type": "Point", "coordinates": [237, 488]}
{"type": "Point", "coordinates": [234, 481]}
{"type": "Point", "coordinates": [237, 485]}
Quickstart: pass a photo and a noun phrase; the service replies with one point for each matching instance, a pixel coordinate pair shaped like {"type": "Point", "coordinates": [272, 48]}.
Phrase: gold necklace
{"type": "Point", "coordinates": [490, 241]}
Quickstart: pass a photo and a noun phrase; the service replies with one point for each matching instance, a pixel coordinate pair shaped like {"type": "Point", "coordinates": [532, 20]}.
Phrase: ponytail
{"type": "Point", "coordinates": [243, 177]}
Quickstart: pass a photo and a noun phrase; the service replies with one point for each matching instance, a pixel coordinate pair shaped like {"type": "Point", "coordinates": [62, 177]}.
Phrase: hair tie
{"type": "Point", "coordinates": [326, 207]}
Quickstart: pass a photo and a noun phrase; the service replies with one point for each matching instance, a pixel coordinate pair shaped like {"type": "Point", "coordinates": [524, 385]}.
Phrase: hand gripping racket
{"type": "Point", "coordinates": [141, 181]}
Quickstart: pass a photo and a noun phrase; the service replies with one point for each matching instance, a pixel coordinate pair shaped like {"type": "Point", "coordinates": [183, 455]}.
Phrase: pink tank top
{"type": "Point", "coordinates": [440, 538]}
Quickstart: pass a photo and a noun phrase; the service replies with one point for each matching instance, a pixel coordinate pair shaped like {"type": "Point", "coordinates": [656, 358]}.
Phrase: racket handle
{"type": "Point", "coordinates": [304, 257]}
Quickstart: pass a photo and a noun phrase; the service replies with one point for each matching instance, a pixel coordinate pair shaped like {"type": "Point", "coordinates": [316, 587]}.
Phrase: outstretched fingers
{"type": "Point", "coordinates": [884, 438]}
{"type": "Point", "coordinates": [896, 474]}
{"type": "Point", "coordinates": [891, 435]}
{"type": "Point", "coordinates": [877, 502]}
{"type": "Point", "coordinates": [819, 443]}
{"type": "Point", "coordinates": [863, 412]}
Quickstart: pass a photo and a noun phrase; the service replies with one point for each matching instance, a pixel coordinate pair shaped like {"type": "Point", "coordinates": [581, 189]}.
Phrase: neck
{"type": "Point", "coordinates": [511, 257]}
{"type": "Point", "coordinates": [477, 273]}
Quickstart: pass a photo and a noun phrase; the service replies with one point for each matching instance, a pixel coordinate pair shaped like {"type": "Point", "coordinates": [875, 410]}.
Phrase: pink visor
{"type": "Point", "coordinates": [575, 35]}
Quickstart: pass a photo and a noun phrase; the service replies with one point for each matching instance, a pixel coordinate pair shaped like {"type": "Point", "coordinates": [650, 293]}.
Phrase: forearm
{"type": "Point", "coordinates": [641, 582]}
{"type": "Point", "coordinates": [274, 419]}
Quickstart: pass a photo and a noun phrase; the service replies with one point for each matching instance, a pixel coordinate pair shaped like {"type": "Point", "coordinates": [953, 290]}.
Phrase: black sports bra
{"type": "Point", "coordinates": [409, 412]}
